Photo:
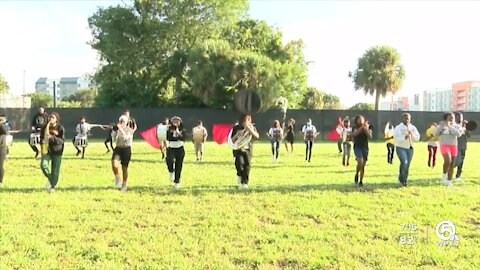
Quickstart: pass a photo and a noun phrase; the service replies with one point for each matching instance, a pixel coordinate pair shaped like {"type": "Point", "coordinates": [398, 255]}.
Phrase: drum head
{"type": "Point", "coordinates": [471, 125]}
{"type": "Point", "coordinates": [162, 132]}
{"type": "Point", "coordinates": [247, 102]}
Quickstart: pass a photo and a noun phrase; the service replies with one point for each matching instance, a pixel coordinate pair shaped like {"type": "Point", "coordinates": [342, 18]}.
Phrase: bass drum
{"type": "Point", "coordinates": [162, 132]}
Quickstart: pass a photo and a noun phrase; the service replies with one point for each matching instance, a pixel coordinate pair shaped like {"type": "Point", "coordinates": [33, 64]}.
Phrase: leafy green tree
{"type": "Point", "coordinates": [3, 85]}
{"type": "Point", "coordinates": [379, 72]}
{"type": "Point", "coordinates": [85, 97]}
{"type": "Point", "coordinates": [313, 99]}
{"type": "Point", "coordinates": [69, 104]}
{"type": "Point", "coordinates": [41, 99]}
{"type": "Point", "coordinates": [362, 107]}
{"type": "Point", "coordinates": [331, 102]}
{"type": "Point", "coordinates": [143, 47]}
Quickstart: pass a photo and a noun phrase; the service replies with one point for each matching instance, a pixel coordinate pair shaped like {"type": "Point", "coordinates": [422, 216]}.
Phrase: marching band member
{"type": "Point", "coordinates": [347, 142]}
{"type": "Point", "coordinates": [199, 136]}
{"type": "Point", "coordinates": [390, 140]}
{"type": "Point", "coordinates": [243, 156]}
{"type": "Point", "coordinates": [462, 145]}
{"type": "Point", "coordinates": [275, 133]}
{"type": "Point", "coordinates": [38, 122]}
{"type": "Point", "coordinates": [131, 121]}
{"type": "Point", "coordinates": [4, 131]}
{"type": "Point", "coordinates": [108, 138]}
{"type": "Point", "coordinates": [432, 145]}
{"type": "Point", "coordinates": [52, 136]}
{"type": "Point", "coordinates": [448, 131]}
{"type": "Point", "coordinates": [290, 137]}
{"type": "Point", "coordinates": [361, 134]}
{"type": "Point", "coordinates": [339, 130]}
{"type": "Point", "coordinates": [175, 152]}
{"type": "Point", "coordinates": [164, 144]}
{"type": "Point", "coordinates": [123, 136]}
{"type": "Point", "coordinates": [309, 134]}
{"type": "Point", "coordinates": [405, 134]}
{"type": "Point", "coordinates": [81, 138]}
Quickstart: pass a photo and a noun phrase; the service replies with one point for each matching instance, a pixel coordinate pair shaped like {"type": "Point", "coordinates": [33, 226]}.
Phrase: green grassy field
{"type": "Point", "coordinates": [295, 215]}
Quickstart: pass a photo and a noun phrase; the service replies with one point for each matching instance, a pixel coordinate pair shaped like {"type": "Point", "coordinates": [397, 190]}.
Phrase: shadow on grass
{"type": "Point", "coordinates": [198, 190]}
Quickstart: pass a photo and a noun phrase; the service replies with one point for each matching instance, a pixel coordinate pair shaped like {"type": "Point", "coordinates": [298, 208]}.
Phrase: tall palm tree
{"type": "Point", "coordinates": [379, 72]}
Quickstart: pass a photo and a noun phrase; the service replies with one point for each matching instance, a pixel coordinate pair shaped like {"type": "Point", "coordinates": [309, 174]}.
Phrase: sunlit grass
{"type": "Point", "coordinates": [295, 215]}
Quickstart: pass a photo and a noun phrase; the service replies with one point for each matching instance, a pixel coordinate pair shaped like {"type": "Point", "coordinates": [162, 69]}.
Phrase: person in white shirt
{"type": "Point", "coordinates": [309, 134]}
{"type": "Point", "coordinates": [199, 136]}
{"type": "Point", "coordinates": [275, 133]}
{"type": "Point", "coordinates": [81, 139]}
{"type": "Point", "coordinates": [405, 134]}
{"type": "Point", "coordinates": [347, 142]}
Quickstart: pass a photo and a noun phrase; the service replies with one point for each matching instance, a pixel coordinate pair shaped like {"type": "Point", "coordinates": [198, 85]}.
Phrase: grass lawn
{"type": "Point", "coordinates": [295, 215]}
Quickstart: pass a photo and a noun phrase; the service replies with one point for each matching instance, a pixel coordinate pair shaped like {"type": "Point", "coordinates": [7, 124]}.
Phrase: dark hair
{"type": "Point", "coordinates": [346, 121]}
{"type": "Point", "coordinates": [200, 122]}
{"type": "Point", "coordinates": [355, 120]}
{"type": "Point", "coordinates": [242, 118]}
{"type": "Point", "coordinates": [445, 115]}
{"type": "Point", "coordinates": [83, 117]}
{"type": "Point", "coordinates": [56, 116]}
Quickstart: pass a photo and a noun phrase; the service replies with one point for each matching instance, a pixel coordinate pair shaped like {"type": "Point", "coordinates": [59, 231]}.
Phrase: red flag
{"type": "Point", "coordinates": [220, 132]}
{"type": "Point", "coordinates": [150, 136]}
{"type": "Point", "coordinates": [334, 134]}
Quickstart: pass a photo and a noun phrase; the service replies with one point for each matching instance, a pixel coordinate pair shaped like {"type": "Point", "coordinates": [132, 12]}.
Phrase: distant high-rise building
{"type": "Point", "coordinates": [438, 100]}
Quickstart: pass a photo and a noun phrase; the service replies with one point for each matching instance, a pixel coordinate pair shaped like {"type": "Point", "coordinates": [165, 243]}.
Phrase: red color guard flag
{"type": "Point", "coordinates": [150, 136]}
{"type": "Point", "coordinates": [334, 134]}
{"type": "Point", "coordinates": [220, 132]}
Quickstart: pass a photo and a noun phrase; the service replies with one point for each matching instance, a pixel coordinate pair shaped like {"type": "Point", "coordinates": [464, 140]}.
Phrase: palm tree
{"type": "Point", "coordinates": [379, 72]}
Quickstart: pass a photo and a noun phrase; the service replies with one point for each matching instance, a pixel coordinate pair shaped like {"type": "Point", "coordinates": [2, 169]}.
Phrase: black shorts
{"type": "Point", "coordinates": [123, 155]}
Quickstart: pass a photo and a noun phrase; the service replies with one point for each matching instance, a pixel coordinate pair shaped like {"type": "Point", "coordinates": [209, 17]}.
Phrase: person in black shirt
{"type": "Point", "coordinates": [108, 138]}
{"type": "Point", "coordinates": [243, 156]}
{"type": "Point", "coordinates": [361, 134]}
{"type": "Point", "coordinates": [55, 139]}
{"type": "Point", "coordinates": [176, 135]}
{"type": "Point", "coordinates": [39, 121]}
{"type": "Point", "coordinates": [289, 135]}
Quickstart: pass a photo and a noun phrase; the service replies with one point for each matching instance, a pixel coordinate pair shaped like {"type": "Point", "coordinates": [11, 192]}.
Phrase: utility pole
{"type": "Point", "coordinates": [54, 95]}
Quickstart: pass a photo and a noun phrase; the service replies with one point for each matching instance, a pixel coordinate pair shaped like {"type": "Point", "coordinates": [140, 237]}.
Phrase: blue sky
{"type": "Point", "coordinates": [438, 40]}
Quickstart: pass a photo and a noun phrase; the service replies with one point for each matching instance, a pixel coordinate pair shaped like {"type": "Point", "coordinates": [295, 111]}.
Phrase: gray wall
{"type": "Point", "coordinates": [325, 121]}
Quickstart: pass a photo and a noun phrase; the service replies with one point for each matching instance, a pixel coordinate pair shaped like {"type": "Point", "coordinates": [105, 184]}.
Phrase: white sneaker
{"type": "Point", "coordinates": [117, 182]}
{"type": "Point", "coordinates": [245, 186]}
{"type": "Point", "coordinates": [48, 186]}
{"type": "Point", "coordinates": [51, 190]}
{"type": "Point", "coordinates": [124, 188]}
{"type": "Point", "coordinates": [459, 179]}
{"type": "Point", "coordinates": [176, 186]}
{"type": "Point", "coordinates": [449, 183]}
{"type": "Point", "coordinates": [172, 176]}
{"type": "Point", "coordinates": [444, 178]}
{"type": "Point", "coordinates": [239, 180]}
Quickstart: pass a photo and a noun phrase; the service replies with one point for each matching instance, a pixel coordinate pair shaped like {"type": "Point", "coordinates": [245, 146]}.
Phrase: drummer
{"type": "Point", "coordinates": [38, 121]}
{"type": "Point", "coordinates": [80, 140]}
{"type": "Point", "coordinates": [199, 136]}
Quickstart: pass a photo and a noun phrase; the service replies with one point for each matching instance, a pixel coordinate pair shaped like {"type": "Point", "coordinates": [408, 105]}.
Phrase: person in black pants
{"type": "Point", "coordinates": [175, 152]}
{"type": "Point", "coordinates": [4, 131]}
{"type": "Point", "coordinates": [290, 135]}
{"type": "Point", "coordinates": [243, 156]}
{"type": "Point", "coordinates": [108, 138]}
{"type": "Point", "coordinates": [39, 121]}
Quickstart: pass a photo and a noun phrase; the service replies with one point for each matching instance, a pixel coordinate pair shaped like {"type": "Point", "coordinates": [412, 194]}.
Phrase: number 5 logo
{"type": "Point", "coordinates": [446, 231]}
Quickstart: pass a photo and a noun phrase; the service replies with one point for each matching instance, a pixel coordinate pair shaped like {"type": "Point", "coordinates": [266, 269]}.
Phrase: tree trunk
{"type": "Point", "coordinates": [178, 85]}
{"type": "Point", "coordinates": [377, 99]}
